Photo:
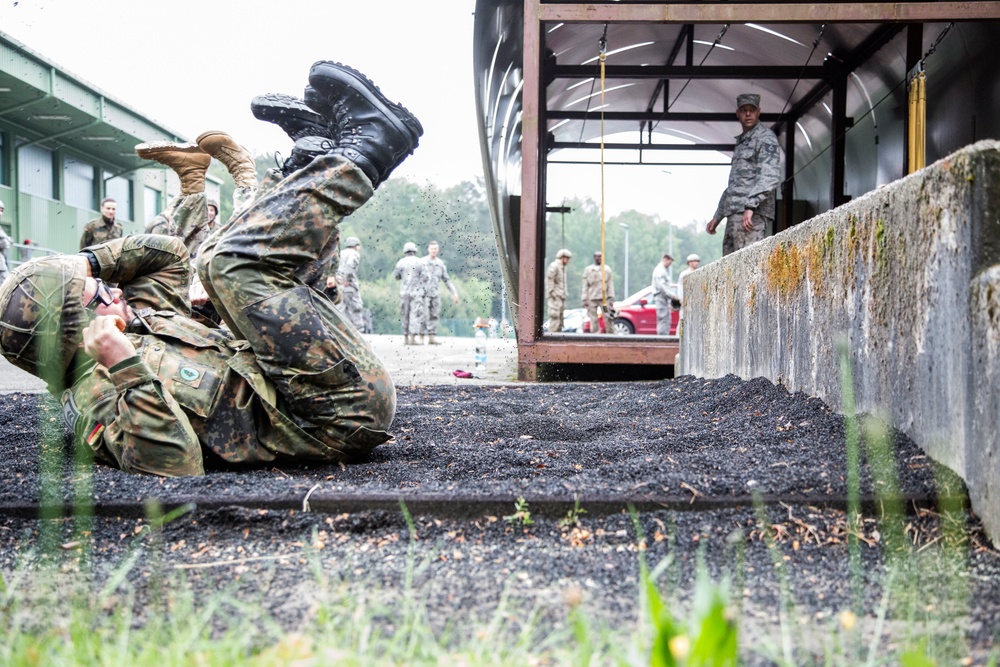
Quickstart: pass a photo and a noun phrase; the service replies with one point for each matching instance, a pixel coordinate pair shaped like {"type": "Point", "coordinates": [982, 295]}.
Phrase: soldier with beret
{"type": "Point", "coordinates": [149, 389]}
{"type": "Point", "coordinates": [748, 203]}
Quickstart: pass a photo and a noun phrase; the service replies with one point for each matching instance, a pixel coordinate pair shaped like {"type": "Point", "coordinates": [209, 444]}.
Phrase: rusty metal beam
{"type": "Point", "coordinates": [644, 147]}
{"type": "Point", "coordinates": [797, 12]}
{"type": "Point", "coordinates": [601, 350]}
{"type": "Point", "coordinates": [670, 116]}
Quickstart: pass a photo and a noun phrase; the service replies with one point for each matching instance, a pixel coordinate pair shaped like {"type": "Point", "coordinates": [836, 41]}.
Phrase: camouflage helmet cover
{"type": "Point", "coordinates": [352, 242]}
{"type": "Point", "coordinates": [409, 247]}
{"type": "Point", "coordinates": [42, 300]}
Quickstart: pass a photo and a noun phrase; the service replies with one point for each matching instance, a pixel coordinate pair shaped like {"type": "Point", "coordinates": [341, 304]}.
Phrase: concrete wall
{"type": "Point", "coordinates": [909, 276]}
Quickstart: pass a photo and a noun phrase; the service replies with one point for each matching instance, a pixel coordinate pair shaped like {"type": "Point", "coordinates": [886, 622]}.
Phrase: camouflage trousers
{"type": "Point", "coordinates": [556, 308]}
{"type": "Point", "coordinates": [411, 314]}
{"type": "Point", "coordinates": [735, 237]}
{"type": "Point", "coordinates": [3, 265]}
{"type": "Point", "coordinates": [186, 217]}
{"type": "Point", "coordinates": [591, 306]}
{"type": "Point", "coordinates": [352, 306]}
{"type": "Point", "coordinates": [432, 314]}
{"type": "Point", "coordinates": [258, 269]}
{"type": "Point", "coordinates": [663, 316]}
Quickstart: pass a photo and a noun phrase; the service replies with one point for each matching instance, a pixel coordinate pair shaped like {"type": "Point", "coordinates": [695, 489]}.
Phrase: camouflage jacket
{"type": "Point", "coordinates": [347, 272]}
{"type": "Point", "coordinates": [555, 281]}
{"type": "Point", "coordinates": [755, 174]}
{"type": "Point", "coordinates": [591, 290]}
{"type": "Point", "coordinates": [189, 394]}
{"type": "Point", "coordinates": [186, 218]}
{"type": "Point", "coordinates": [437, 272]}
{"type": "Point", "coordinates": [411, 271]}
{"type": "Point", "coordinates": [97, 231]}
{"type": "Point", "coordinates": [663, 289]}
{"type": "Point", "coordinates": [5, 241]}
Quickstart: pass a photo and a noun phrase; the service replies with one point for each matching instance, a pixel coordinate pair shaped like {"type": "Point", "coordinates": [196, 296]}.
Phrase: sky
{"type": "Point", "coordinates": [194, 66]}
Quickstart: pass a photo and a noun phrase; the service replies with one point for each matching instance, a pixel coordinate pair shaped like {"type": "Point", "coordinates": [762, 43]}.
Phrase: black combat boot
{"type": "Point", "coordinates": [291, 115]}
{"type": "Point", "coordinates": [372, 132]}
{"type": "Point", "coordinates": [305, 150]}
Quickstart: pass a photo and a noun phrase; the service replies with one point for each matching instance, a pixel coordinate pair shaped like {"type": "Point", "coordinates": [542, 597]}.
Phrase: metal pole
{"type": "Point", "coordinates": [625, 227]}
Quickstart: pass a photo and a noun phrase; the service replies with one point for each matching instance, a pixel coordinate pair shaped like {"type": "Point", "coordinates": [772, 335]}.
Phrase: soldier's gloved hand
{"type": "Point", "coordinates": [104, 341]}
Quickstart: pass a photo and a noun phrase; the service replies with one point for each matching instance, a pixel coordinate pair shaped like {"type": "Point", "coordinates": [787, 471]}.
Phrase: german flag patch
{"type": "Point", "coordinates": [95, 434]}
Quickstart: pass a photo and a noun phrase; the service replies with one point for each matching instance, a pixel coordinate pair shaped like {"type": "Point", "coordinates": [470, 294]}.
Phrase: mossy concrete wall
{"type": "Point", "coordinates": [909, 277]}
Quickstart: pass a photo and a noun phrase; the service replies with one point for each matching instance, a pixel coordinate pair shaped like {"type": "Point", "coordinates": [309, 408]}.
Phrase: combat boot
{"type": "Point", "coordinates": [187, 160]}
{"type": "Point", "coordinates": [372, 132]}
{"type": "Point", "coordinates": [431, 341]}
{"type": "Point", "coordinates": [237, 159]}
{"type": "Point", "coordinates": [407, 339]}
{"type": "Point", "coordinates": [291, 115]}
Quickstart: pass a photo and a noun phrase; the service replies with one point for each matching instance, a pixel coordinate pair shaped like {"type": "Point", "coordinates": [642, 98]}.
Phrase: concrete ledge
{"type": "Point", "coordinates": [909, 276]}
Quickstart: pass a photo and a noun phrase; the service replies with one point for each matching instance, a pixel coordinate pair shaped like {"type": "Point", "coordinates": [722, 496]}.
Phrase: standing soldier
{"type": "Point", "coordinates": [555, 289]}
{"type": "Point", "coordinates": [347, 278]}
{"type": "Point", "coordinates": [411, 271]}
{"type": "Point", "coordinates": [437, 273]}
{"type": "Point", "coordinates": [597, 294]}
{"type": "Point", "coordinates": [664, 296]}
{"type": "Point", "coordinates": [5, 244]}
{"type": "Point", "coordinates": [104, 228]}
{"type": "Point", "coordinates": [747, 203]}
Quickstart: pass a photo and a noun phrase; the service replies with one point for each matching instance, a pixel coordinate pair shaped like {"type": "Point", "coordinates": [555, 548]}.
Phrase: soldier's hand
{"type": "Point", "coordinates": [104, 341]}
{"type": "Point", "coordinates": [331, 282]}
{"type": "Point", "coordinates": [712, 225]}
{"type": "Point", "coordinates": [197, 293]}
{"type": "Point", "coordinates": [748, 220]}
{"type": "Point", "coordinates": [454, 298]}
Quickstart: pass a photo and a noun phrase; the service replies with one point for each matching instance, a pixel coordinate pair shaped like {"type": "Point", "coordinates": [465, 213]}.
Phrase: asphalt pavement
{"type": "Point", "coordinates": [409, 365]}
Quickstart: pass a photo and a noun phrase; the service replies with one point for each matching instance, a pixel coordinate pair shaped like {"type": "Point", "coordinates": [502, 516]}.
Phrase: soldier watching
{"type": "Point", "coordinates": [555, 290]}
{"type": "Point", "coordinates": [748, 201]}
{"type": "Point", "coordinates": [596, 296]}
{"type": "Point", "coordinates": [437, 272]}
{"type": "Point", "coordinates": [104, 228]}
{"type": "Point", "coordinates": [411, 273]}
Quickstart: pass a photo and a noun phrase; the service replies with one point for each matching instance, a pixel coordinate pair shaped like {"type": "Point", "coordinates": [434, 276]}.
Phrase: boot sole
{"type": "Point", "coordinates": [278, 106]}
{"type": "Point", "coordinates": [324, 71]}
{"type": "Point", "coordinates": [155, 147]}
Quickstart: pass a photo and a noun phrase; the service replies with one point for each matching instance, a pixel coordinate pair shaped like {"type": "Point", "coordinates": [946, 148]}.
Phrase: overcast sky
{"type": "Point", "coordinates": [195, 65]}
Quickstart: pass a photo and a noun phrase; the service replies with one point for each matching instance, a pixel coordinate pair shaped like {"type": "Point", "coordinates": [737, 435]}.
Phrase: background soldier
{"type": "Point", "coordinates": [664, 296]}
{"type": "Point", "coordinates": [593, 295]}
{"type": "Point", "coordinates": [411, 271]}
{"type": "Point", "coordinates": [350, 289]}
{"type": "Point", "coordinates": [437, 272]}
{"type": "Point", "coordinates": [5, 244]}
{"type": "Point", "coordinates": [748, 202]}
{"type": "Point", "coordinates": [555, 290]}
{"type": "Point", "coordinates": [104, 228]}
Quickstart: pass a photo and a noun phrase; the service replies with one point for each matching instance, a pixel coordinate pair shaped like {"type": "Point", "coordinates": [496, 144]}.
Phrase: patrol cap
{"type": "Point", "coordinates": [748, 98]}
{"type": "Point", "coordinates": [409, 247]}
{"type": "Point", "coordinates": [563, 253]}
{"type": "Point", "coordinates": [693, 258]}
{"type": "Point", "coordinates": [353, 242]}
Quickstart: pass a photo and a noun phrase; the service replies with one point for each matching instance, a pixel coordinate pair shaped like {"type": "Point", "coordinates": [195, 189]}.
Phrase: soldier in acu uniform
{"type": "Point", "coordinates": [411, 272]}
{"type": "Point", "coordinates": [437, 273]}
{"type": "Point", "coordinates": [347, 279]}
{"type": "Point", "coordinates": [598, 293]}
{"type": "Point", "coordinates": [748, 201]}
{"type": "Point", "coordinates": [169, 395]}
{"type": "Point", "coordinates": [555, 289]}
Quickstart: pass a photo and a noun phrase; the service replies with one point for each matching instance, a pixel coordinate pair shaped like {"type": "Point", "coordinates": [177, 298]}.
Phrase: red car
{"type": "Point", "coordinates": [637, 315]}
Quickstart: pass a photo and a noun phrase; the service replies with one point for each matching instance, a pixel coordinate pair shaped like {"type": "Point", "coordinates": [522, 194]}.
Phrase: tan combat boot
{"type": "Point", "coordinates": [188, 161]}
{"type": "Point", "coordinates": [237, 159]}
{"type": "Point", "coordinates": [408, 339]}
{"type": "Point", "coordinates": [431, 341]}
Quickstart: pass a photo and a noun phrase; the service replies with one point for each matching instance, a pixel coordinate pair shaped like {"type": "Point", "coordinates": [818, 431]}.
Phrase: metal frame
{"type": "Point", "coordinates": [533, 348]}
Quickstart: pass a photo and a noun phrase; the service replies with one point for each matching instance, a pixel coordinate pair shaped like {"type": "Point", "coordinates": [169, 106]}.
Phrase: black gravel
{"type": "Point", "coordinates": [692, 450]}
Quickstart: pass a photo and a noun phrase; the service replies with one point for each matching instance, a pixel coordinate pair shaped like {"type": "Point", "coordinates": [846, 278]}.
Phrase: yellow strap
{"type": "Point", "coordinates": [604, 289]}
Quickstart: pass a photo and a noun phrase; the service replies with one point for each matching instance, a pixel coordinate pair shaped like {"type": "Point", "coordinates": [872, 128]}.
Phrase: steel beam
{"type": "Point", "coordinates": [669, 116]}
{"type": "Point", "coordinates": [793, 12]}
{"type": "Point", "coordinates": [645, 147]}
{"type": "Point", "coordinates": [693, 72]}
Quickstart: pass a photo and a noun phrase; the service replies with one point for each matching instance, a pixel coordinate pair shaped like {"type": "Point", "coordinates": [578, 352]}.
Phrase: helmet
{"type": "Point", "coordinates": [409, 247]}
{"type": "Point", "coordinates": [42, 316]}
{"type": "Point", "coordinates": [563, 253]}
{"type": "Point", "coordinates": [214, 204]}
{"type": "Point", "coordinates": [693, 258]}
{"type": "Point", "coordinates": [354, 242]}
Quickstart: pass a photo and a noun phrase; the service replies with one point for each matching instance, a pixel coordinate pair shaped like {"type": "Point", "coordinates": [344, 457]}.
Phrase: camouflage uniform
{"type": "Point", "coordinates": [5, 244]}
{"type": "Point", "coordinates": [591, 295]}
{"type": "Point", "coordinates": [755, 174]}
{"type": "Point", "coordinates": [350, 290]}
{"type": "Point", "coordinates": [98, 231]}
{"type": "Point", "coordinates": [555, 294]}
{"type": "Point", "coordinates": [437, 272]}
{"type": "Point", "coordinates": [663, 298]}
{"type": "Point", "coordinates": [294, 381]}
{"type": "Point", "coordinates": [186, 218]}
{"type": "Point", "coordinates": [411, 271]}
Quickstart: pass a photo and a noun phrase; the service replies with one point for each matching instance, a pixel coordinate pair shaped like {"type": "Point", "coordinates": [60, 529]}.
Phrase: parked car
{"type": "Point", "coordinates": [636, 315]}
{"type": "Point", "coordinates": [572, 321]}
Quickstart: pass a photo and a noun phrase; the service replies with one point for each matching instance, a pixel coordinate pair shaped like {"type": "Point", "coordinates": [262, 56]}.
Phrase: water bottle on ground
{"type": "Point", "coordinates": [481, 326]}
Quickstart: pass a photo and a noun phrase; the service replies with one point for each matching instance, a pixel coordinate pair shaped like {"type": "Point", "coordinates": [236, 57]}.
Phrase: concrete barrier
{"type": "Point", "coordinates": [909, 276]}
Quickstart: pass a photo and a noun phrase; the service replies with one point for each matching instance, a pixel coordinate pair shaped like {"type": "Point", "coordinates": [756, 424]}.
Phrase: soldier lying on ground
{"type": "Point", "coordinates": [170, 395]}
